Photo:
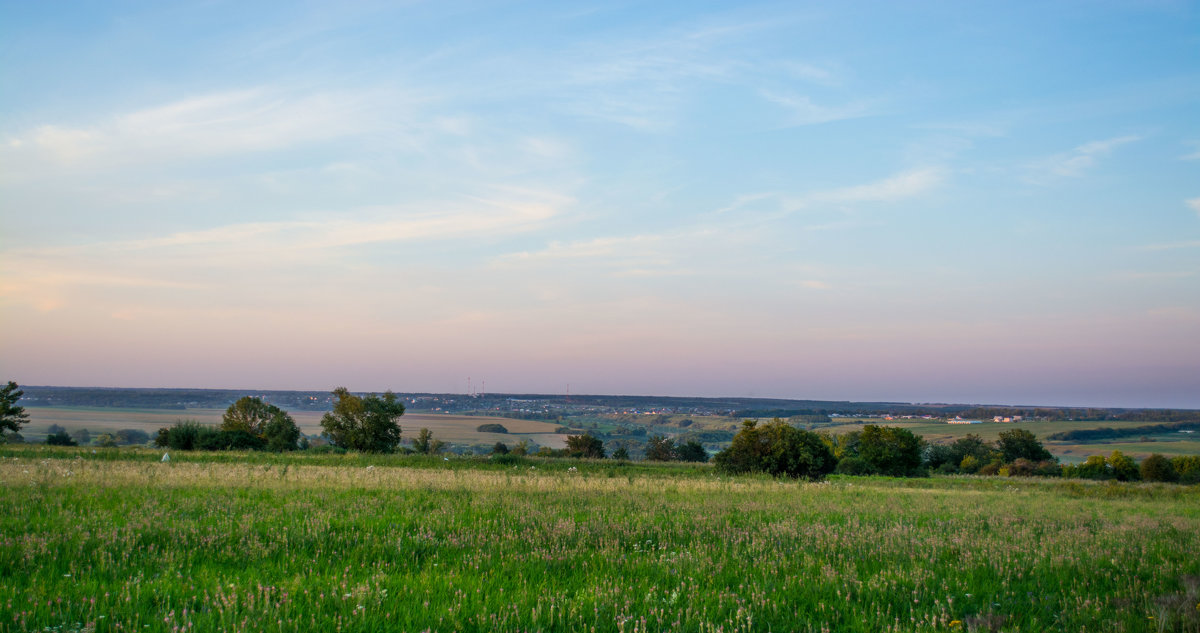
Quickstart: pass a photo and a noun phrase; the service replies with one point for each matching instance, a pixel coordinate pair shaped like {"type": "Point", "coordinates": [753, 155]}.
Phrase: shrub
{"type": "Point", "coordinates": [970, 464]}
{"type": "Point", "coordinates": [1188, 468]}
{"type": "Point", "coordinates": [1048, 468]}
{"type": "Point", "coordinates": [852, 466]}
{"type": "Point", "coordinates": [499, 449]}
{"type": "Point", "coordinates": [132, 436]}
{"type": "Point", "coordinates": [1123, 467]}
{"type": "Point", "coordinates": [181, 437]}
{"type": "Point", "coordinates": [692, 451]}
{"type": "Point", "coordinates": [1021, 467]}
{"type": "Point", "coordinates": [891, 450]}
{"type": "Point", "coordinates": [369, 424]}
{"type": "Point", "coordinates": [777, 448]}
{"type": "Point", "coordinates": [1158, 468]}
{"type": "Point", "coordinates": [991, 468]}
{"type": "Point", "coordinates": [660, 449]}
{"type": "Point", "coordinates": [507, 459]}
{"type": "Point", "coordinates": [1019, 443]}
{"type": "Point", "coordinates": [585, 445]}
{"type": "Point", "coordinates": [60, 438]}
{"type": "Point", "coordinates": [491, 428]}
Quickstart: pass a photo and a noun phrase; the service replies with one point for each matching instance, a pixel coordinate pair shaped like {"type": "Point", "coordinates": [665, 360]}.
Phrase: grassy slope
{"type": "Point", "coordinates": [364, 544]}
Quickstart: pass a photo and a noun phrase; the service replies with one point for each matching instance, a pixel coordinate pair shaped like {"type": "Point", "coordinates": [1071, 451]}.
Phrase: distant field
{"type": "Point", "coordinates": [451, 428]}
{"type": "Point", "coordinates": [105, 542]}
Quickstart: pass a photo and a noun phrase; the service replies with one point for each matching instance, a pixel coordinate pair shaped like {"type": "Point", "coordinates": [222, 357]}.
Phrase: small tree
{"type": "Point", "coordinates": [12, 417]}
{"type": "Point", "coordinates": [777, 448]}
{"type": "Point", "coordinates": [891, 450]}
{"type": "Point", "coordinates": [1158, 468]}
{"type": "Point", "coordinates": [132, 436]}
{"type": "Point", "coordinates": [82, 436]}
{"type": "Point", "coordinates": [586, 445]}
{"type": "Point", "coordinates": [60, 438]}
{"type": "Point", "coordinates": [621, 454]}
{"type": "Point", "coordinates": [369, 424]}
{"type": "Point", "coordinates": [660, 449]}
{"type": "Point", "coordinates": [692, 451]}
{"type": "Point", "coordinates": [1018, 443]}
{"type": "Point", "coordinates": [1123, 466]}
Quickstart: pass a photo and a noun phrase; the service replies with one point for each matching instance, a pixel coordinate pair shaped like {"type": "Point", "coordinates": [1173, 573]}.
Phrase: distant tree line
{"type": "Point", "coordinates": [1105, 433]}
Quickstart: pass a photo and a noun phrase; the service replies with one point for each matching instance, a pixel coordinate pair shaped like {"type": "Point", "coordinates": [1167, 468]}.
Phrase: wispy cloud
{"type": "Point", "coordinates": [803, 111]}
{"type": "Point", "coordinates": [253, 120]}
{"type": "Point", "coordinates": [1077, 162]}
{"type": "Point", "coordinates": [1194, 203]}
{"type": "Point", "coordinates": [244, 254]}
{"type": "Point", "coordinates": [906, 184]}
{"type": "Point", "coordinates": [1170, 246]}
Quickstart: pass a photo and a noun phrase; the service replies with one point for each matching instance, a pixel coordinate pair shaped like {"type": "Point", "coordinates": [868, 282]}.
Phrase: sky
{"type": "Point", "coordinates": [914, 202]}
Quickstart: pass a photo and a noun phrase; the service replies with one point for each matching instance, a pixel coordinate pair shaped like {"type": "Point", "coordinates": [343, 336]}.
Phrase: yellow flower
{"type": "Point", "coordinates": [954, 623]}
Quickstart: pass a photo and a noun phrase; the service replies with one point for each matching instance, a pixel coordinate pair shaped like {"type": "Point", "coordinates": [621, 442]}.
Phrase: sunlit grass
{"type": "Point", "coordinates": [342, 543]}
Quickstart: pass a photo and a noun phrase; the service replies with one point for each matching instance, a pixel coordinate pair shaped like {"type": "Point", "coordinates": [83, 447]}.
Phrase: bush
{"type": "Point", "coordinates": [60, 438]}
{"type": "Point", "coordinates": [891, 450]}
{"type": "Point", "coordinates": [692, 451]}
{"type": "Point", "coordinates": [991, 468]}
{"type": "Point", "coordinates": [1021, 467]}
{"type": "Point", "coordinates": [491, 428]}
{"type": "Point", "coordinates": [1019, 443]}
{"type": "Point", "coordinates": [181, 437]}
{"type": "Point", "coordinates": [132, 436]}
{"type": "Point", "coordinates": [660, 449]}
{"type": "Point", "coordinates": [853, 466]}
{"type": "Point", "coordinates": [1158, 468]}
{"type": "Point", "coordinates": [499, 449]}
{"type": "Point", "coordinates": [1048, 468]}
{"type": "Point", "coordinates": [970, 464]}
{"type": "Point", "coordinates": [1123, 467]}
{"type": "Point", "coordinates": [777, 448]}
{"type": "Point", "coordinates": [1188, 468]}
{"type": "Point", "coordinates": [369, 424]}
{"type": "Point", "coordinates": [585, 445]}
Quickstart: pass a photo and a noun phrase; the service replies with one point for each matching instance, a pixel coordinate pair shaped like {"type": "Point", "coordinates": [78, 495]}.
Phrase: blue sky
{"type": "Point", "coordinates": [873, 201]}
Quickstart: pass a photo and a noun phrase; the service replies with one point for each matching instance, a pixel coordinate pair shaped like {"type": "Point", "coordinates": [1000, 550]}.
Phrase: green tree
{"type": "Point", "coordinates": [1158, 468]}
{"type": "Point", "coordinates": [12, 417]}
{"type": "Point", "coordinates": [500, 448]}
{"type": "Point", "coordinates": [281, 434]}
{"type": "Point", "coordinates": [369, 424]}
{"type": "Point", "coordinates": [692, 451]}
{"type": "Point", "coordinates": [521, 448]}
{"type": "Point", "coordinates": [274, 425]}
{"type": "Point", "coordinates": [426, 445]}
{"type": "Point", "coordinates": [660, 449]}
{"type": "Point", "coordinates": [1018, 443]}
{"type": "Point", "coordinates": [621, 454]}
{"type": "Point", "coordinates": [777, 448]}
{"type": "Point", "coordinates": [82, 436]}
{"type": "Point", "coordinates": [60, 439]}
{"type": "Point", "coordinates": [890, 450]}
{"type": "Point", "coordinates": [1123, 466]}
{"type": "Point", "coordinates": [586, 445]}
{"type": "Point", "coordinates": [132, 436]}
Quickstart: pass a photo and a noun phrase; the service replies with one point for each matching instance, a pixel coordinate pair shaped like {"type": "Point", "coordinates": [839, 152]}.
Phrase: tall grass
{"type": "Point", "coordinates": [88, 543]}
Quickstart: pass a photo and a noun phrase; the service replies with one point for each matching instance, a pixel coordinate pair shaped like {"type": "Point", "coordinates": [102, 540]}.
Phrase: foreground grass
{"type": "Point", "coordinates": [103, 543]}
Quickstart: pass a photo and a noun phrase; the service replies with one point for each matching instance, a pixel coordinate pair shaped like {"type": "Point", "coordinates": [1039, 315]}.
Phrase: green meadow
{"type": "Point", "coordinates": [118, 541]}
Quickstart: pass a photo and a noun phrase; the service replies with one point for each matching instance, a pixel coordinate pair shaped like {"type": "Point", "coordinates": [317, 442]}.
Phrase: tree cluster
{"type": "Point", "coordinates": [367, 424]}
{"type": "Point", "coordinates": [778, 449]}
